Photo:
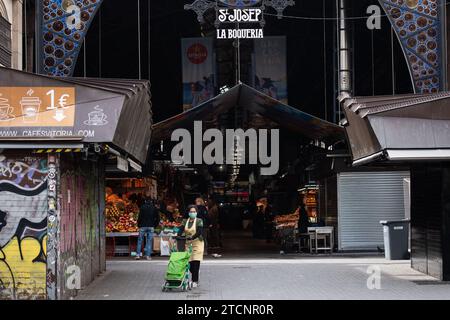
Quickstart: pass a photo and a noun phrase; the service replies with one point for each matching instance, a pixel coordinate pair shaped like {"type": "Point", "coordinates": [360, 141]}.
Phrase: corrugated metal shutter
{"type": "Point", "coordinates": [365, 198]}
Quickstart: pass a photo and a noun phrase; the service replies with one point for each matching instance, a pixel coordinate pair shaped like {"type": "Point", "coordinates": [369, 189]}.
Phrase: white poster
{"type": "Point", "coordinates": [270, 73]}
{"type": "Point", "coordinates": [198, 71]}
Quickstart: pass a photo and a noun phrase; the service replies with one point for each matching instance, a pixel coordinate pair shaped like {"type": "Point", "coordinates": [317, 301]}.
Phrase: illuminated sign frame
{"type": "Point", "coordinates": [235, 12]}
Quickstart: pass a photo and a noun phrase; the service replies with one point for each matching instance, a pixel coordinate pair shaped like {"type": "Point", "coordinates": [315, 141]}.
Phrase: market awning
{"type": "Point", "coordinates": [110, 111]}
{"type": "Point", "coordinates": [398, 128]}
{"type": "Point", "coordinates": [266, 113]}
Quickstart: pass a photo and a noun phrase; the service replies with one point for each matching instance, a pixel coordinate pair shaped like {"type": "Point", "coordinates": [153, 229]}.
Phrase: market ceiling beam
{"type": "Point", "coordinates": [266, 112]}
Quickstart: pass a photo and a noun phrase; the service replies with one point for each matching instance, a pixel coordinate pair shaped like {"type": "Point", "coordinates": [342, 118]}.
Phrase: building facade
{"type": "Point", "coordinates": [11, 33]}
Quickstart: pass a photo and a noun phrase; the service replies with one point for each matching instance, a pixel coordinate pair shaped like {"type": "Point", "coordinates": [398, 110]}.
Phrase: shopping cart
{"type": "Point", "coordinates": [177, 275]}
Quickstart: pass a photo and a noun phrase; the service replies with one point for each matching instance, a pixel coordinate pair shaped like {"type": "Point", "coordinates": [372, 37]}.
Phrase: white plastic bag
{"type": "Point", "coordinates": [165, 248]}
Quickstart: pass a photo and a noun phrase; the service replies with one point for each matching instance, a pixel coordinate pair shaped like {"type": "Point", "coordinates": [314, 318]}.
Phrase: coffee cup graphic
{"type": "Point", "coordinates": [30, 109]}
{"type": "Point", "coordinates": [6, 111]}
{"type": "Point", "coordinates": [96, 117]}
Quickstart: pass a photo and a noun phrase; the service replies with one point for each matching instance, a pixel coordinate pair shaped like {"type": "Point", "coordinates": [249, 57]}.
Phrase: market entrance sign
{"type": "Point", "coordinates": [231, 15]}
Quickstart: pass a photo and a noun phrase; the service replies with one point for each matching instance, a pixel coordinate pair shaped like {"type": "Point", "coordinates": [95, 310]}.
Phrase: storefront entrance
{"type": "Point", "coordinates": [258, 210]}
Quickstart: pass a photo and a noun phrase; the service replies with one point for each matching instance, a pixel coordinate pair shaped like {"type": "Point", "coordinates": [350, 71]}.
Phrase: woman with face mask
{"type": "Point", "coordinates": [192, 229]}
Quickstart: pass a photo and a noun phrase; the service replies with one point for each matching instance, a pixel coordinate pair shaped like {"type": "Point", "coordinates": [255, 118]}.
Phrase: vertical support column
{"type": "Point", "coordinates": [17, 34]}
{"type": "Point", "coordinates": [101, 213]}
{"type": "Point", "coordinates": [345, 70]}
{"type": "Point", "coordinates": [343, 56]}
{"type": "Point", "coordinates": [446, 222]}
{"type": "Point", "coordinates": [52, 226]}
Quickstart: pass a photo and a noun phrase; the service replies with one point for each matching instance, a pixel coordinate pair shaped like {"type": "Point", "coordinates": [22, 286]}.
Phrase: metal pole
{"type": "Point", "coordinates": [238, 58]}
{"type": "Point", "coordinates": [149, 40]}
{"type": "Point", "coordinates": [372, 62]}
{"type": "Point", "coordinates": [84, 56]}
{"type": "Point", "coordinates": [325, 60]}
{"type": "Point", "coordinates": [25, 26]}
{"type": "Point", "coordinates": [393, 61]}
{"type": "Point", "coordinates": [335, 65]}
{"type": "Point", "coordinates": [139, 37]}
{"type": "Point", "coordinates": [344, 52]}
{"type": "Point", "coordinates": [100, 42]}
{"type": "Point", "coordinates": [37, 36]}
{"type": "Point", "coordinates": [345, 68]}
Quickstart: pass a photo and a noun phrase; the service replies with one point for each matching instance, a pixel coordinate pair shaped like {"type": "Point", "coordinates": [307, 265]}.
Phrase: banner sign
{"type": "Point", "coordinates": [232, 14]}
{"type": "Point", "coordinates": [270, 73]}
{"type": "Point", "coordinates": [198, 71]}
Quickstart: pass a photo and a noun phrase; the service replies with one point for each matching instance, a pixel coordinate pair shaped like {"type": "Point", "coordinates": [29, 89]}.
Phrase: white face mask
{"type": "Point", "coordinates": [192, 215]}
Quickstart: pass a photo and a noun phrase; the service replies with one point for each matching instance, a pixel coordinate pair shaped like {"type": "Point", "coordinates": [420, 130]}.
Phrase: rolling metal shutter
{"type": "Point", "coordinates": [364, 199]}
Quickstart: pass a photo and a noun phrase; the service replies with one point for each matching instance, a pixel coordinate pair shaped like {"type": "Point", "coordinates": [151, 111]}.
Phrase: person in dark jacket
{"type": "Point", "coordinates": [268, 219]}
{"type": "Point", "coordinates": [147, 221]}
{"type": "Point", "coordinates": [204, 215]}
{"type": "Point", "coordinates": [303, 224]}
{"type": "Point", "coordinates": [258, 221]}
{"type": "Point", "coordinates": [202, 211]}
{"type": "Point", "coordinates": [303, 220]}
{"type": "Point", "coordinates": [214, 230]}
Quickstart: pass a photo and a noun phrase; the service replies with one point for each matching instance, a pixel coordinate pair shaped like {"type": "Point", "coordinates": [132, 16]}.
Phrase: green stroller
{"type": "Point", "coordinates": [177, 275]}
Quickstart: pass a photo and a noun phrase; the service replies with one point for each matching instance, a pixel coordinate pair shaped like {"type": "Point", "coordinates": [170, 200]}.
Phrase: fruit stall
{"type": "Point", "coordinates": [123, 200]}
{"type": "Point", "coordinates": [121, 216]}
{"type": "Point", "coordinates": [286, 228]}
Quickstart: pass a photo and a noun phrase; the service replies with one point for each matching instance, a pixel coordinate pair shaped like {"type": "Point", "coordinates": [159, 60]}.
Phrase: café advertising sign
{"type": "Point", "coordinates": [31, 111]}
{"type": "Point", "coordinates": [239, 19]}
{"type": "Point", "coordinates": [37, 107]}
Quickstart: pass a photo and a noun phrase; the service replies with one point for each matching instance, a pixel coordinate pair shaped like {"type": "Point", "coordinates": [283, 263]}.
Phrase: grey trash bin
{"type": "Point", "coordinates": [396, 239]}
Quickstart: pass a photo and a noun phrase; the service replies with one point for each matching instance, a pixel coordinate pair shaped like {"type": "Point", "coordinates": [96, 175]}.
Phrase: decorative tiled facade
{"type": "Point", "coordinates": [418, 27]}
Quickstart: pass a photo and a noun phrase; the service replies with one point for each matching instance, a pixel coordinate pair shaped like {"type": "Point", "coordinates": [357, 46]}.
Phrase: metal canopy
{"type": "Point", "coordinates": [112, 111]}
{"type": "Point", "coordinates": [264, 113]}
{"type": "Point", "coordinates": [398, 128]}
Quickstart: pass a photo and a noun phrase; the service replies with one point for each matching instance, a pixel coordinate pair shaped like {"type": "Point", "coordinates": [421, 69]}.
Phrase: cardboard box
{"type": "Point", "coordinates": [156, 244]}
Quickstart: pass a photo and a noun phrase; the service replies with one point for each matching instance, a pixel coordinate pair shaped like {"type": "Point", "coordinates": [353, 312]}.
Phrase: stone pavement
{"type": "Point", "coordinates": [270, 277]}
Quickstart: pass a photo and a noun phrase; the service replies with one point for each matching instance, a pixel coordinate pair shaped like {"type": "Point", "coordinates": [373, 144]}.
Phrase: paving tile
{"type": "Point", "coordinates": [269, 278]}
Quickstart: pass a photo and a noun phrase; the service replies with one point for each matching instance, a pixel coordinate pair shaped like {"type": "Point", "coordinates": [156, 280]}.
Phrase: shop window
{"type": "Point", "coordinates": [5, 42]}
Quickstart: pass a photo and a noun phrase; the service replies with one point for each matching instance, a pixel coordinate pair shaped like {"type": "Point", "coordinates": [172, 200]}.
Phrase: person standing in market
{"type": "Point", "coordinates": [268, 219]}
{"type": "Point", "coordinates": [258, 221]}
{"type": "Point", "coordinates": [214, 231]}
{"type": "Point", "coordinates": [303, 220]}
{"type": "Point", "coordinates": [147, 221]}
{"type": "Point", "coordinates": [203, 214]}
{"type": "Point", "coordinates": [303, 224]}
{"type": "Point", "coordinates": [192, 229]}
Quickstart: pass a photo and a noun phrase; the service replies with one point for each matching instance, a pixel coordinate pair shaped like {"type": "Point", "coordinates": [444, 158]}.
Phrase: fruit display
{"type": "Point", "coordinates": [168, 224]}
{"type": "Point", "coordinates": [287, 221]}
{"type": "Point", "coordinates": [121, 214]}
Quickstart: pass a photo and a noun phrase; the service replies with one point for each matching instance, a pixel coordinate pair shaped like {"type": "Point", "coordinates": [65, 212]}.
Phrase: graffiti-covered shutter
{"type": "Point", "coordinates": [23, 226]}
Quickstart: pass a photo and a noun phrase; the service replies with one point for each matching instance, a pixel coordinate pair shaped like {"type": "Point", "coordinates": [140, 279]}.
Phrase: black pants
{"type": "Point", "coordinates": [268, 230]}
{"type": "Point", "coordinates": [195, 268]}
